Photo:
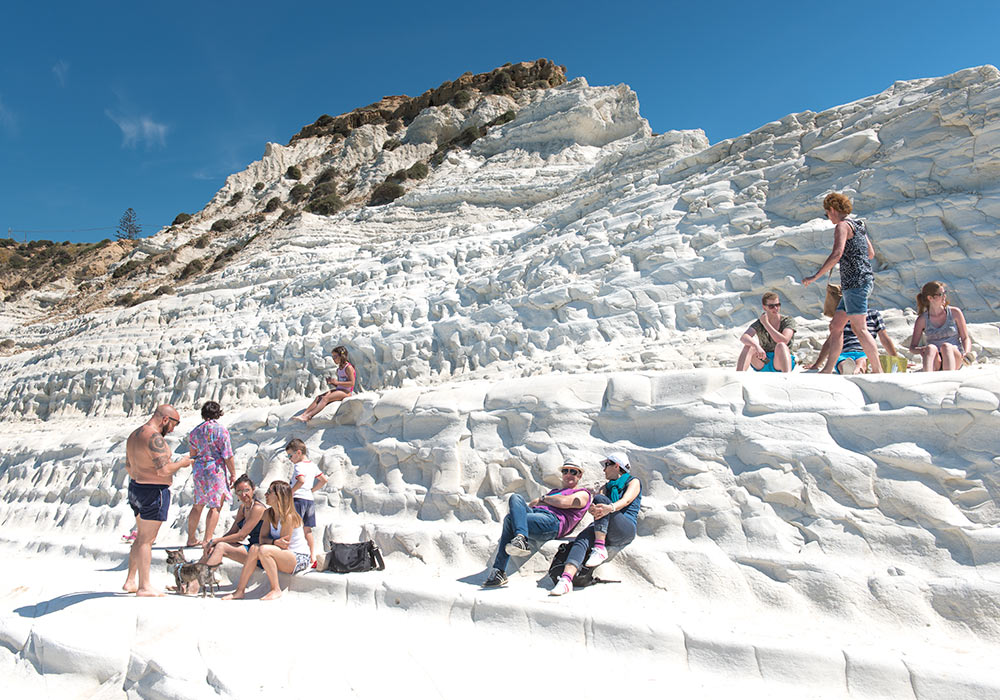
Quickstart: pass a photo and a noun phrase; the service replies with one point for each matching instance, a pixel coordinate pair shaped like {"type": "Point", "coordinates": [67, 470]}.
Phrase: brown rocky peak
{"type": "Point", "coordinates": [397, 110]}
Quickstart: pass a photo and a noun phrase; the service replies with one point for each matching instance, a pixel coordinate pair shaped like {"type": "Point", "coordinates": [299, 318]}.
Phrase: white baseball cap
{"type": "Point", "coordinates": [619, 458]}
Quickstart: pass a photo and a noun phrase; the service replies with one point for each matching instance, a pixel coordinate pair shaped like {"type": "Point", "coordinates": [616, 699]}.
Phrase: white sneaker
{"type": "Point", "coordinates": [847, 366]}
{"type": "Point", "coordinates": [562, 587]}
{"type": "Point", "coordinates": [598, 555]}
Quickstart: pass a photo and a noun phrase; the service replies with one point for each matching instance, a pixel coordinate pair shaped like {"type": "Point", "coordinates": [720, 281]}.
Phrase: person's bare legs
{"type": "Point", "coordinates": [782, 358]}
{"type": "Point", "coordinates": [860, 328]}
{"type": "Point", "coordinates": [236, 552]}
{"type": "Point", "coordinates": [861, 365]}
{"type": "Point", "coordinates": [743, 363]}
{"type": "Point", "coordinates": [139, 558]}
{"type": "Point", "coordinates": [310, 541]}
{"type": "Point", "coordinates": [930, 358]}
{"type": "Point", "coordinates": [211, 521]}
{"type": "Point", "coordinates": [322, 402]}
{"type": "Point", "coordinates": [312, 409]}
{"type": "Point", "coordinates": [193, 517]}
{"type": "Point", "coordinates": [837, 324]}
{"type": "Point", "coordinates": [950, 357]}
{"type": "Point", "coordinates": [248, 567]}
{"type": "Point", "coordinates": [275, 559]}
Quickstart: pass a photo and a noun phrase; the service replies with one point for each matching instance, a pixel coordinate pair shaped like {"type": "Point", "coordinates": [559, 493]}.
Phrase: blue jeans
{"type": "Point", "coordinates": [533, 523]}
{"type": "Point", "coordinates": [619, 528]}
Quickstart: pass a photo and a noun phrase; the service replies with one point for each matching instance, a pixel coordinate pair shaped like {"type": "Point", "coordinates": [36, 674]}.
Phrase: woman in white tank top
{"type": "Point", "coordinates": [282, 545]}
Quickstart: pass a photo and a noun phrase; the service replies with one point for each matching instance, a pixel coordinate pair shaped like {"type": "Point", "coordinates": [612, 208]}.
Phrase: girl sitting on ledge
{"type": "Point", "coordinates": [340, 387]}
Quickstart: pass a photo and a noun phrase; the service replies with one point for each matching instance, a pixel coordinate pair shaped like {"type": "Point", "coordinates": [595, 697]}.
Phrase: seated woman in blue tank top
{"type": "Point", "coordinates": [245, 527]}
{"type": "Point", "coordinates": [616, 514]}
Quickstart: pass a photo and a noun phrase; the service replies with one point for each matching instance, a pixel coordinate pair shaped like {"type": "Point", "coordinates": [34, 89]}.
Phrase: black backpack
{"type": "Point", "coordinates": [582, 578]}
{"type": "Point", "coordinates": [356, 556]}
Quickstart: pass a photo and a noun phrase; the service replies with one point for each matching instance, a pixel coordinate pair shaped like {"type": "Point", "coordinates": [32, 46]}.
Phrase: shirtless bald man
{"type": "Point", "coordinates": [147, 461]}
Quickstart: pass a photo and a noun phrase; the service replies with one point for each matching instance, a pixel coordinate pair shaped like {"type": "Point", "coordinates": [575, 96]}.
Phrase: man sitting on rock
{"type": "Point", "coordinates": [767, 343]}
{"type": "Point", "coordinates": [852, 359]}
{"type": "Point", "coordinates": [553, 515]}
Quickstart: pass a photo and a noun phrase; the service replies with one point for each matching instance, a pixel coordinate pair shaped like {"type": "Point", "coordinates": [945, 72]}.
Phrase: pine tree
{"type": "Point", "coordinates": [129, 226]}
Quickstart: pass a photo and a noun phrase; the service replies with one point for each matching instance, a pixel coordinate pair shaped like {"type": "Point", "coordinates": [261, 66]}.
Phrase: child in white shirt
{"type": "Point", "coordinates": [306, 478]}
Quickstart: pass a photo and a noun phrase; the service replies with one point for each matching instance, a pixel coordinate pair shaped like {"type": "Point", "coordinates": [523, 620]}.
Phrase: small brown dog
{"type": "Point", "coordinates": [185, 572]}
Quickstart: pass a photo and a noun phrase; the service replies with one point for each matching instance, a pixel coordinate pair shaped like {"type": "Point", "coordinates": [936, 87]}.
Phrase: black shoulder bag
{"type": "Point", "coordinates": [355, 556]}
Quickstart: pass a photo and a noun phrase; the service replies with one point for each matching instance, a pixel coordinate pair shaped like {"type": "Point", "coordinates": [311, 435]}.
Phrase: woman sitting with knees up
{"type": "Point", "coordinates": [616, 514]}
{"type": "Point", "coordinates": [246, 526]}
{"type": "Point", "coordinates": [341, 386]}
{"type": "Point", "coordinates": [943, 327]}
{"type": "Point", "coordinates": [282, 545]}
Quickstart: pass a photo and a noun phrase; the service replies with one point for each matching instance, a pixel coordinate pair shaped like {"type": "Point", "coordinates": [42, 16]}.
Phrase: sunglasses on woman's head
{"type": "Point", "coordinates": [568, 470]}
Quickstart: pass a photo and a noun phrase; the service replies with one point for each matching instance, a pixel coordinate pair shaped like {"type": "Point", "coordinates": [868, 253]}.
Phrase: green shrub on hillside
{"type": "Point", "coordinates": [293, 173]}
{"type": "Point", "coordinates": [235, 199]}
{"type": "Point", "coordinates": [181, 219]}
{"type": "Point", "coordinates": [502, 83]}
{"type": "Point", "coordinates": [298, 193]}
{"type": "Point", "coordinates": [201, 241]}
{"type": "Point", "coordinates": [223, 225]}
{"type": "Point", "coordinates": [462, 98]}
{"type": "Point", "coordinates": [192, 268]}
{"type": "Point", "coordinates": [325, 206]}
{"type": "Point", "coordinates": [418, 171]}
{"type": "Point", "coordinates": [126, 270]}
{"type": "Point", "coordinates": [507, 116]}
{"type": "Point", "coordinates": [18, 261]}
{"type": "Point", "coordinates": [326, 176]}
{"type": "Point", "coordinates": [391, 145]}
{"type": "Point", "coordinates": [385, 193]}
{"type": "Point", "coordinates": [323, 190]}
{"type": "Point", "coordinates": [258, 186]}
{"type": "Point", "coordinates": [272, 204]}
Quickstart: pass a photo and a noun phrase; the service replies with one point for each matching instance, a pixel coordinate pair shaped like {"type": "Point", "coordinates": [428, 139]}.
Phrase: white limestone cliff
{"type": "Point", "coordinates": [567, 284]}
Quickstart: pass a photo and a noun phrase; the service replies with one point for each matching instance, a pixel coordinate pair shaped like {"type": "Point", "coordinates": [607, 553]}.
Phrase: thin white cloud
{"type": "Point", "coordinates": [61, 71]}
{"type": "Point", "coordinates": [136, 130]}
{"type": "Point", "coordinates": [8, 121]}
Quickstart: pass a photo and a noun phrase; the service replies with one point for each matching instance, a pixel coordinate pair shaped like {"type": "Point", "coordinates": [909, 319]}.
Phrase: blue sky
{"type": "Point", "coordinates": [110, 105]}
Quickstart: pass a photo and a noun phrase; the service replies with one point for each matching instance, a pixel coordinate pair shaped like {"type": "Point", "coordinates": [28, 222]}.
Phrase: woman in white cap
{"type": "Point", "coordinates": [615, 511]}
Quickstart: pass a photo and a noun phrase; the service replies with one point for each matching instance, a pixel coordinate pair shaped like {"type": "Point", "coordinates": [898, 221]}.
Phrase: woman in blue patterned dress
{"type": "Point", "coordinates": [213, 471]}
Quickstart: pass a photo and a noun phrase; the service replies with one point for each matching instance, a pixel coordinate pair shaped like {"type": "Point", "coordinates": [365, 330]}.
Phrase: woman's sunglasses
{"type": "Point", "coordinates": [609, 463]}
{"type": "Point", "coordinates": [567, 470]}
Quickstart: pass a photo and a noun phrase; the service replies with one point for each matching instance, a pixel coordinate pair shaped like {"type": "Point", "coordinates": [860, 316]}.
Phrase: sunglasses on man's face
{"type": "Point", "coordinates": [773, 306]}
{"type": "Point", "coordinates": [574, 472]}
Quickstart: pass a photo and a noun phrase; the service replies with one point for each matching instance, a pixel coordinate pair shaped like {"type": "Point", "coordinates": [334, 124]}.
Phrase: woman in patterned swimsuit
{"type": "Point", "coordinates": [213, 472]}
{"type": "Point", "coordinates": [943, 327]}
